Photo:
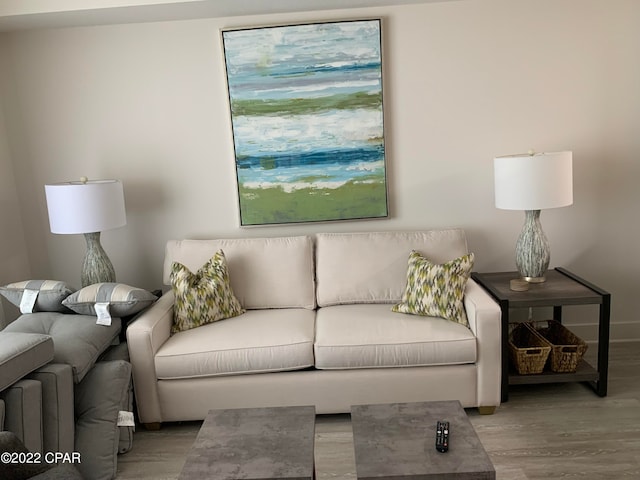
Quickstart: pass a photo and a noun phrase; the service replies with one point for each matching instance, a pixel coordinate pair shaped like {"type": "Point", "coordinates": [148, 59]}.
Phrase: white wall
{"type": "Point", "coordinates": [14, 264]}
{"type": "Point", "coordinates": [464, 82]}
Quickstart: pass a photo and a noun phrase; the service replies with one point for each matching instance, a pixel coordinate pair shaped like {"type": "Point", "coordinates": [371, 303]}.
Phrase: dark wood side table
{"type": "Point", "coordinates": [561, 288]}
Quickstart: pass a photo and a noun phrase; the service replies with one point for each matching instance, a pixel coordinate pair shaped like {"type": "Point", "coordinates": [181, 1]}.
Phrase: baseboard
{"type": "Point", "coordinates": [619, 332]}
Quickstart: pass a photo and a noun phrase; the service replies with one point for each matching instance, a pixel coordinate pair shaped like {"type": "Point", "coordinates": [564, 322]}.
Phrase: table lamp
{"type": "Point", "coordinates": [532, 182]}
{"type": "Point", "coordinates": [88, 207]}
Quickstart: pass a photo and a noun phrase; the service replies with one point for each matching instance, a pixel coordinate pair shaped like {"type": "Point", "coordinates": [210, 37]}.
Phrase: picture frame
{"type": "Point", "coordinates": [307, 118]}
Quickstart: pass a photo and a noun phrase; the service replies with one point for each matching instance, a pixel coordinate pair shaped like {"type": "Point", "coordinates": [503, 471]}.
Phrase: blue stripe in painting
{"type": "Point", "coordinates": [339, 156]}
{"type": "Point", "coordinates": [307, 69]}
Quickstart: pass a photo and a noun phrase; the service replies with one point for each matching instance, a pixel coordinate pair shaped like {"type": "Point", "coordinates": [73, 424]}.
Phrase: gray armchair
{"type": "Point", "coordinates": [67, 386]}
{"type": "Point", "coordinates": [20, 396]}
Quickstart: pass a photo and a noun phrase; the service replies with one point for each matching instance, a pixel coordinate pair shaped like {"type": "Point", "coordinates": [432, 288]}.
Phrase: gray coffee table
{"type": "Point", "coordinates": [255, 443]}
{"type": "Point", "coordinates": [397, 441]}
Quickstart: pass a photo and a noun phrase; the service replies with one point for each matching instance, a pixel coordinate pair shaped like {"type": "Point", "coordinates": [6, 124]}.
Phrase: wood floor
{"type": "Point", "coordinates": [554, 431]}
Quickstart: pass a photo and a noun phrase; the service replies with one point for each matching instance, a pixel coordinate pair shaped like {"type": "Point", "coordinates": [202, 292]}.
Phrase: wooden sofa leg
{"type": "Point", "coordinates": [486, 410]}
{"type": "Point", "coordinates": [154, 426]}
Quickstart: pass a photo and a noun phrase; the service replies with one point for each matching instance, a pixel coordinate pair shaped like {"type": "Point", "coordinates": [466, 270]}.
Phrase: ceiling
{"type": "Point", "coordinates": [37, 14]}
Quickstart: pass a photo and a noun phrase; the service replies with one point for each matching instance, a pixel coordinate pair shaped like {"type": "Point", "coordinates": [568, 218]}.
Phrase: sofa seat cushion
{"type": "Point", "coordinates": [22, 353]}
{"type": "Point", "coordinates": [255, 342]}
{"type": "Point", "coordinates": [78, 340]}
{"type": "Point", "coordinates": [372, 336]}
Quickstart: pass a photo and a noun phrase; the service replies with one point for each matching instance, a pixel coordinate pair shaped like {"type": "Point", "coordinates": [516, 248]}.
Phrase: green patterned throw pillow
{"type": "Point", "coordinates": [202, 297]}
{"type": "Point", "coordinates": [436, 290]}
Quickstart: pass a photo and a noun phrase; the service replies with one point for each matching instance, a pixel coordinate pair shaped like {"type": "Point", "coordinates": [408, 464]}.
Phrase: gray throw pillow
{"type": "Point", "coordinates": [98, 400]}
{"type": "Point", "coordinates": [50, 294]}
{"type": "Point", "coordinates": [121, 352]}
{"type": "Point", "coordinates": [123, 300]}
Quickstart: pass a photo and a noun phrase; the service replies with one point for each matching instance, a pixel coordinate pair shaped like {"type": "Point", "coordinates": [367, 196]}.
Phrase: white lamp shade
{"type": "Point", "coordinates": [85, 207]}
{"type": "Point", "coordinates": [534, 182]}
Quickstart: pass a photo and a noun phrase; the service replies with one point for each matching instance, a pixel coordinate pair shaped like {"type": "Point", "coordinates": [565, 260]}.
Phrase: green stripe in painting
{"type": "Point", "coordinates": [301, 106]}
{"type": "Point", "coordinates": [263, 206]}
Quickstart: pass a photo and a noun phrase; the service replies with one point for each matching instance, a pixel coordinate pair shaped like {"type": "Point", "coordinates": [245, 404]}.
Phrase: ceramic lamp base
{"type": "Point", "coordinates": [96, 268]}
{"type": "Point", "coordinates": [532, 249]}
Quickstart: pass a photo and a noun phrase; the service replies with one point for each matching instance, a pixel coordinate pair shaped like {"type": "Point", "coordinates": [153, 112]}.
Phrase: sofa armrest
{"type": "Point", "coordinates": [485, 321]}
{"type": "Point", "coordinates": [145, 335]}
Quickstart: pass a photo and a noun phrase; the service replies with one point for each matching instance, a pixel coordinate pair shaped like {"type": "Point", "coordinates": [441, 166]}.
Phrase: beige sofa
{"type": "Point", "coordinates": [318, 330]}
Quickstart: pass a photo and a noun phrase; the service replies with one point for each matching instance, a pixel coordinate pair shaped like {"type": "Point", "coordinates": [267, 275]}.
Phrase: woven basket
{"type": "Point", "coordinates": [567, 349]}
{"type": "Point", "coordinates": [528, 351]}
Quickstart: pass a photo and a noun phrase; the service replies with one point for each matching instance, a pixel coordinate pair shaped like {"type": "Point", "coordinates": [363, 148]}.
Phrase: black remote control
{"type": "Point", "coordinates": [442, 436]}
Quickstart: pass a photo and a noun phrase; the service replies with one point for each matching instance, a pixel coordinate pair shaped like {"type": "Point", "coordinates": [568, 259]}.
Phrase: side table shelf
{"type": "Point", "coordinates": [562, 288]}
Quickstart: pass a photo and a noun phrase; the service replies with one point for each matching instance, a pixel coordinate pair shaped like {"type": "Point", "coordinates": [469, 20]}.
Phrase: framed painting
{"type": "Point", "coordinates": [307, 121]}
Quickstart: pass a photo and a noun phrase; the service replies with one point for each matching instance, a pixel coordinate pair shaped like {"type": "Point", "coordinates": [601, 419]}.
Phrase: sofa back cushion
{"type": "Point", "coordinates": [264, 272]}
{"type": "Point", "coordinates": [372, 267]}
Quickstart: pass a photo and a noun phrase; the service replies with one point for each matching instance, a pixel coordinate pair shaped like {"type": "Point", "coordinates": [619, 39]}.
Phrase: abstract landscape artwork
{"type": "Point", "coordinates": [307, 119]}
